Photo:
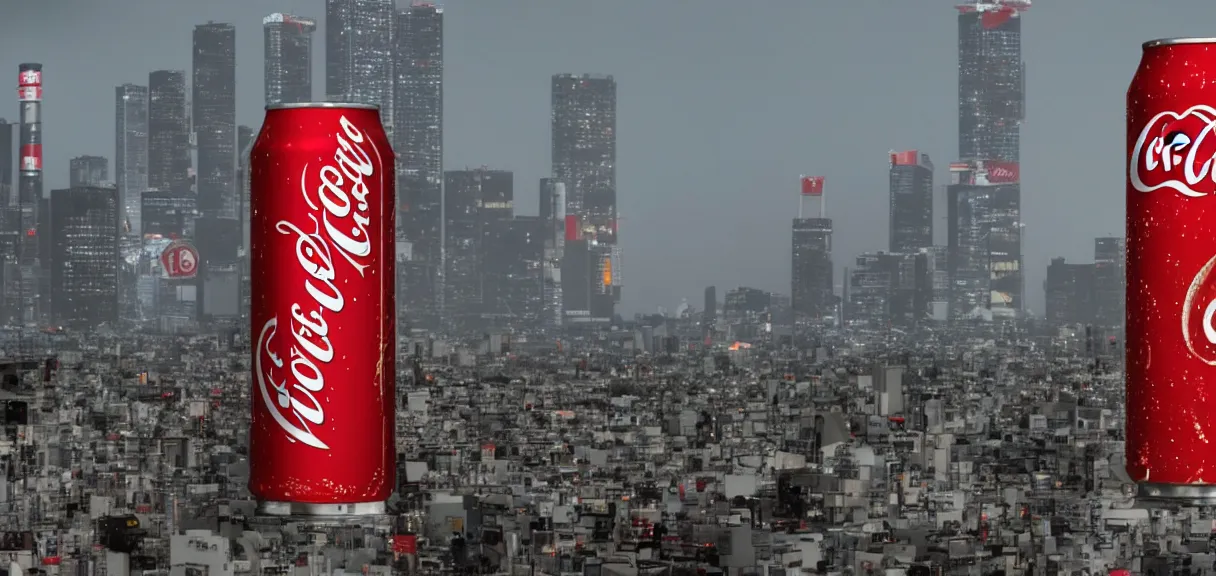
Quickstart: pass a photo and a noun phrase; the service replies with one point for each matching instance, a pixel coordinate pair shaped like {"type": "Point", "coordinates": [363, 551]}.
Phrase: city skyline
{"type": "Point", "coordinates": [752, 176]}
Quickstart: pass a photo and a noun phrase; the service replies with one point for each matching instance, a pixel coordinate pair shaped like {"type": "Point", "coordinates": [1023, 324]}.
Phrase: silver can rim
{"type": "Point", "coordinates": [273, 508]}
{"type": "Point", "coordinates": [297, 105]}
{"type": "Point", "coordinates": [1176, 41]}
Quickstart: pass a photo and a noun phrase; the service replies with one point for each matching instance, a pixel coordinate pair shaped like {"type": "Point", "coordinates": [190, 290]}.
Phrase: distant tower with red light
{"type": "Point", "coordinates": [991, 79]}
{"type": "Point", "coordinates": [29, 189]}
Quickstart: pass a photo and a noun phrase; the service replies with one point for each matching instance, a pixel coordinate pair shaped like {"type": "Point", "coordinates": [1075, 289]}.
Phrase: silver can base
{"type": "Point", "coordinates": [1198, 494]}
{"type": "Point", "coordinates": [315, 509]}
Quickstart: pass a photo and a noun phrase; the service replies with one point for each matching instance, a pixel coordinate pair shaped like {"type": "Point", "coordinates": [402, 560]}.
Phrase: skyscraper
{"type": "Point", "coordinates": [130, 150]}
{"type": "Point", "coordinates": [1110, 282]}
{"type": "Point", "coordinates": [88, 171]}
{"type": "Point", "coordinates": [288, 47]}
{"type": "Point", "coordinates": [811, 271]}
{"type": "Point", "coordinates": [168, 132]}
{"type": "Point", "coordinates": [911, 201]}
{"type": "Point", "coordinates": [84, 277]}
{"type": "Point", "coordinates": [991, 80]}
{"type": "Point", "coordinates": [359, 53]}
{"type": "Point", "coordinates": [475, 200]}
{"type": "Point", "coordinates": [984, 239]}
{"type": "Point", "coordinates": [214, 115]}
{"type": "Point", "coordinates": [584, 158]}
{"type": "Point", "coordinates": [418, 142]}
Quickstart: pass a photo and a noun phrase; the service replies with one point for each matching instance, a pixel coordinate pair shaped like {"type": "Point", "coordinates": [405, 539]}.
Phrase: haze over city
{"type": "Point", "coordinates": [722, 105]}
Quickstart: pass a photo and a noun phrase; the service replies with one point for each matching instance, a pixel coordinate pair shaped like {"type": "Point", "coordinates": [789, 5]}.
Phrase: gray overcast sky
{"type": "Point", "coordinates": [721, 106]}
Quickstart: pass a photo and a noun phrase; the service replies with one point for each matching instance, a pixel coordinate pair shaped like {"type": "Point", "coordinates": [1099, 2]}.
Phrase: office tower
{"type": "Point", "coordinates": [583, 143]}
{"type": "Point", "coordinates": [287, 42]}
{"type": "Point", "coordinates": [991, 79]}
{"type": "Point", "coordinates": [890, 289]}
{"type": "Point", "coordinates": [359, 53]}
{"type": "Point", "coordinates": [553, 230]}
{"type": "Point", "coordinates": [709, 315]}
{"type": "Point", "coordinates": [811, 291]}
{"type": "Point", "coordinates": [1110, 281]}
{"type": "Point", "coordinates": [130, 150]}
{"type": "Point", "coordinates": [418, 142]}
{"type": "Point", "coordinates": [10, 222]}
{"type": "Point", "coordinates": [168, 215]}
{"type": "Point", "coordinates": [33, 253]}
{"type": "Point", "coordinates": [168, 132]}
{"type": "Point", "coordinates": [1070, 293]}
{"type": "Point", "coordinates": [511, 272]}
{"type": "Point", "coordinates": [984, 238]}
{"type": "Point", "coordinates": [911, 202]}
{"type": "Point", "coordinates": [214, 116]}
{"type": "Point", "coordinates": [474, 200]}
{"type": "Point", "coordinates": [85, 230]}
{"type": "Point", "coordinates": [88, 171]}
{"type": "Point", "coordinates": [219, 271]}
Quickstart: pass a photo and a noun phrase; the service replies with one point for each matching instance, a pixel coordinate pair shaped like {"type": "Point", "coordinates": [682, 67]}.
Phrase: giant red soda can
{"type": "Point", "coordinates": [322, 324]}
{"type": "Point", "coordinates": [1171, 252]}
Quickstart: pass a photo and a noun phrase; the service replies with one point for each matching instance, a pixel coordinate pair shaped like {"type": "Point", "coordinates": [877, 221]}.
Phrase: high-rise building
{"type": "Point", "coordinates": [553, 229]}
{"type": "Point", "coordinates": [418, 142]}
{"type": "Point", "coordinates": [288, 51]}
{"type": "Point", "coordinates": [84, 274]}
{"type": "Point", "coordinates": [10, 225]}
{"type": "Point", "coordinates": [475, 200]}
{"type": "Point", "coordinates": [88, 171]}
{"type": "Point", "coordinates": [511, 271]}
{"type": "Point", "coordinates": [168, 132]}
{"type": "Point", "coordinates": [214, 116]}
{"type": "Point", "coordinates": [811, 293]}
{"type": "Point", "coordinates": [1110, 281]}
{"type": "Point", "coordinates": [911, 201]}
{"type": "Point", "coordinates": [130, 150]}
{"type": "Point", "coordinates": [709, 316]}
{"type": "Point", "coordinates": [1069, 291]}
{"type": "Point", "coordinates": [890, 289]}
{"type": "Point", "coordinates": [583, 143]}
{"type": "Point", "coordinates": [359, 53]}
{"type": "Point", "coordinates": [168, 215]}
{"type": "Point", "coordinates": [984, 238]}
{"type": "Point", "coordinates": [991, 79]}
{"type": "Point", "coordinates": [34, 253]}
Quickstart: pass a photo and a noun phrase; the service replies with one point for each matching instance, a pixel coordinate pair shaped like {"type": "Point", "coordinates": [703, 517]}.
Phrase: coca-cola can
{"type": "Point", "coordinates": [1171, 252]}
{"type": "Point", "coordinates": [322, 436]}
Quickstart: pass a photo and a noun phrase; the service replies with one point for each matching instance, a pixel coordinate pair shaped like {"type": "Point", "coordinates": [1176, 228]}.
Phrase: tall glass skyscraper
{"type": "Point", "coordinates": [288, 47]}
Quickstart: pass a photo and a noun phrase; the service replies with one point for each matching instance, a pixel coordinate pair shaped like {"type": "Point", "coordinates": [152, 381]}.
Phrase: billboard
{"type": "Point", "coordinates": [812, 185]}
{"type": "Point", "coordinates": [179, 260]}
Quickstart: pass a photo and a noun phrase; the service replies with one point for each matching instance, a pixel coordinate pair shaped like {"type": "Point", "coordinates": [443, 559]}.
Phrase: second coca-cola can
{"type": "Point", "coordinates": [1171, 253]}
{"type": "Point", "coordinates": [322, 249]}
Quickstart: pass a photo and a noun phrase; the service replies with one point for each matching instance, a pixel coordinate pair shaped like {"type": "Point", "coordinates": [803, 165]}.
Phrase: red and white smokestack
{"type": "Point", "coordinates": [29, 94]}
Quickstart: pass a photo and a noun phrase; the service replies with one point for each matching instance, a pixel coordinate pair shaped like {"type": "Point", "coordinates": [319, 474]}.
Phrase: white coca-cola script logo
{"type": "Point", "coordinates": [340, 218]}
{"type": "Point", "coordinates": [1001, 173]}
{"type": "Point", "coordinates": [1198, 310]}
{"type": "Point", "coordinates": [1176, 151]}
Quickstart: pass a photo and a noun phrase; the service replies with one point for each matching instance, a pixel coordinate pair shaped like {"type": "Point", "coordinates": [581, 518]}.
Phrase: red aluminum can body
{"type": "Point", "coordinates": [1171, 253]}
{"type": "Point", "coordinates": [323, 330]}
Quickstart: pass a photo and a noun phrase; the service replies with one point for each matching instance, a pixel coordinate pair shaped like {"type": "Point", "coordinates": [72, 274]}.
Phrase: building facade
{"type": "Point", "coordinates": [811, 271]}
{"type": "Point", "coordinates": [214, 116]}
{"type": "Point", "coordinates": [169, 164]}
{"type": "Point", "coordinates": [583, 139]}
{"type": "Point", "coordinates": [84, 274]}
{"type": "Point", "coordinates": [130, 150]}
{"type": "Point", "coordinates": [911, 202]}
{"type": "Point", "coordinates": [359, 54]}
{"type": "Point", "coordinates": [418, 142]}
{"type": "Point", "coordinates": [287, 42]}
{"type": "Point", "coordinates": [88, 171]}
